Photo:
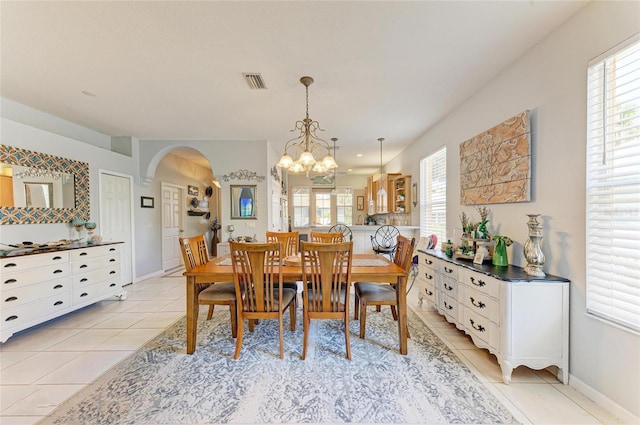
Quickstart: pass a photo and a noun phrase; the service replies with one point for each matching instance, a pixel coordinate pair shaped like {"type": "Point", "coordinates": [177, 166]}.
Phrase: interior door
{"type": "Point", "coordinates": [171, 226]}
{"type": "Point", "coordinates": [115, 217]}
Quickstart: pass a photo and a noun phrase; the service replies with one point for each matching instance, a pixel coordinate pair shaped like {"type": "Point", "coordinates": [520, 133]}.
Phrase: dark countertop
{"type": "Point", "coordinates": [509, 273]}
{"type": "Point", "coordinates": [20, 252]}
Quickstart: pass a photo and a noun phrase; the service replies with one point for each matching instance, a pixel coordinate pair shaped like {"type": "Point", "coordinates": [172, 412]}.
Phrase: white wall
{"type": "Point", "coordinates": [550, 80]}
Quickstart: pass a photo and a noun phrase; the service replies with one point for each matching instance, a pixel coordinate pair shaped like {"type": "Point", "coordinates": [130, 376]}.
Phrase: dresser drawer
{"type": "Point", "coordinates": [426, 274]}
{"type": "Point", "coordinates": [15, 297]}
{"type": "Point", "coordinates": [95, 276]}
{"type": "Point", "coordinates": [481, 304]}
{"type": "Point", "coordinates": [449, 286]}
{"type": "Point", "coordinates": [426, 260]}
{"type": "Point", "coordinates": [426, 290]}
{"type": "Point", "coordinates": [88, 293]}
{"type": "Point", "coordinates": [480, 282]}
{"type": "Point", "coordinates": [447, 269]}
{"type": "Point", "coordinates": [481, 328]}
{"type": "Point", "coordinates": [29, 312]}
{"type": "Point", "coordinates": [34, 275]}
{"type": "Point", "coordinates": [17, 264]}
{"type": "Point", "coordinates": [95, 251]}
{"type": "Point", "coordinates": [94, 263]}
{"type": "Point", "coordinates": [448, 306]}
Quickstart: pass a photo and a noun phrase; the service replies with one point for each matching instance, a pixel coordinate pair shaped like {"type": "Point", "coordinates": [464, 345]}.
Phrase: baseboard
{"type": "Point", "coordinates": [623, 414]}
{"type": "Point", "coordinates": [149, 276]}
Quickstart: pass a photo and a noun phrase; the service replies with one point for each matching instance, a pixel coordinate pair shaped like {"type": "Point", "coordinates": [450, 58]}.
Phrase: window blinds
{"type": "Point", "coordinates": [613, 186]}
{"type": "Point", "coordinates": [433, 195]}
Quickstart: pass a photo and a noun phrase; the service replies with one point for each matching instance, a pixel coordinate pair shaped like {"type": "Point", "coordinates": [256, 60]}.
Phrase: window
{"type": "Point", "coordinates": [613, 186]}
{"type": "Point", "coordinates": [300, 202]}
{"type": "Point", "coordinates": [329, 208]}
{"type": "Point", "coordinates": [433, 195]}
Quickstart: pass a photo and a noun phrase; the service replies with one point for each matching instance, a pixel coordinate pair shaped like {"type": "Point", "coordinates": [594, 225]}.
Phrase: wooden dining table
{"type": "Point", "coordinates": [214, 271]}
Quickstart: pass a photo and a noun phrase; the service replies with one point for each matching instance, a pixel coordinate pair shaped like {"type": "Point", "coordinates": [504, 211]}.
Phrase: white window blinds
{"type": "Point", "coordinates": [613, 186]}
{"type": "Point", "coordinates": [433, 195]}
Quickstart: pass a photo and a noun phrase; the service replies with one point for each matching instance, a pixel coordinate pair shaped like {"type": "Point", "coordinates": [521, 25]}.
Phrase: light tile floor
{"type": "Point", "coordinates": [42, 367]}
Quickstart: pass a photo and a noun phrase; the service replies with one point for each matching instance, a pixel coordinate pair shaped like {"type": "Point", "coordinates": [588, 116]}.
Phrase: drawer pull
{"type": "Point", "coordinates": [428, 262]}
{"type": "Point", "coordinates": [57, 271]}
{"type": "Point", "coordinates": [11, 299]}
{"type": "Point", "coordinates": [448, 307]}
{"type": "Point", "coordinates": [10, 281]}
{"type": "Point", "coordinates": [447, 287]}
{"type": "Point", "coordinates": [479, 328]}
{"type": "Point", "coordinates": [82, 254]}
{"type": "Point", "coordinates": [478, 304]}
{"type": "Point", "coordinates": [8, 265]}
{"type": "Point", "coordinates": [57, 287]}
{"type": "Point", "coordinates": [84, 279]}
{"type": "Point", "coordinates": [428, 292]}
{"type": "Point", "coordinates": [84, 294]}
{"type": "Point", "coordinates": [112, 285]}
{"type": "Point", "coordinates": [448, 270]}
{"type": "Point", "coordinates": [57, 257]}
{"type": "Point", "coordinates": [112, 249]}
{"type": "Point", "coordinates": [428, 276]}
{"type": "Point", "coordinates": [480, 283]}
{"type": "Point", "coordinates": [10, 318]}
{"type": "Point", "coordinates": [112, 260]}
{"type": "Point", "coordinates": [58, 303]}
{"type": "Point", "coordinates": [84, 266]}
{"type": "Point", "coordinates": [113, 272]}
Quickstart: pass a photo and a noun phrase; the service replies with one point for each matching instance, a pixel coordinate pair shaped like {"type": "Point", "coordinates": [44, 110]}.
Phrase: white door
{"type": "Point", "coordinates": [171, 226]}
{"type": "Point", "coordinates": [115, 216]}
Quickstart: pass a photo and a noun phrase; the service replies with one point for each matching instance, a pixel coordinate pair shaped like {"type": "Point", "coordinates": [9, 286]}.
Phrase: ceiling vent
{"type": "Point", "coordinates": [255, 81]}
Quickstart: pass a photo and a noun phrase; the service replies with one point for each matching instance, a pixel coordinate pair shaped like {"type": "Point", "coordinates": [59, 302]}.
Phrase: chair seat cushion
{"type": "Point", "coordinates": [343, 296]}
{"type": "Point", "coordinates": [218, 292]}
{"type": "Point", "coordinates": [375, 292]}
{"type": "Point", "coordinates": [290, 285]}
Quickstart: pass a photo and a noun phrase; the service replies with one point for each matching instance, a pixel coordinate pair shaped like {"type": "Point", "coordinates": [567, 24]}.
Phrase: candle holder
{"type": "Point", "coordinates": [532, 251]}
{"type": "Point", "coordinates": [90, 226]}
{"type": "Point", "coordinates": [78, 223]}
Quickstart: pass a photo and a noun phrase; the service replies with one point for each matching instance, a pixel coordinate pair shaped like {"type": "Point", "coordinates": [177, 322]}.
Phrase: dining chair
{"type": "Point", "coordinates": [344, 229]}
{"type": "Point", "coordinates": [326, 271]}
{"type": "Point", "coordinates": [384, 241]}
{"type": "Point", "coordinates": [378, 294]}
{"type": "Point", "coordinates": [326, 237]}
{"type": "Point", "coordinates": [257, 274]}
{"type": "Point", "coordinates": [289, 241]}
{"type": "Point", "coordinates": [195, 253]}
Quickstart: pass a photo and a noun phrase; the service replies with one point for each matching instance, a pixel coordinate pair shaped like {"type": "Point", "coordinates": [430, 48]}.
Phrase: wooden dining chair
{"type": "Point", "coordinates": [257, 273]}
{"type": "Point", "coordinates": [195, 253]}
{"type": "Point", "coordinates": [326, 271]}
{"type": "Point", "coordinates": [378, 294]}
{"type": "Point", "coordinates": [327, 237]}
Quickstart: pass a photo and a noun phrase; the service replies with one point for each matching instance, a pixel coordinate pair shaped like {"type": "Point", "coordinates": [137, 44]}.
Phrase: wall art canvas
{"type": "Point", "coordinates": [495, 166]}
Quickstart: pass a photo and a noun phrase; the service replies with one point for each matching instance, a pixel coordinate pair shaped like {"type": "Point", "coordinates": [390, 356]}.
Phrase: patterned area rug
{"type": "Point", "coordinates": [160, 384]}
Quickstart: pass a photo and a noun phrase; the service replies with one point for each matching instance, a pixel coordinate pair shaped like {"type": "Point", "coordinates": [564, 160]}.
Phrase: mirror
{"type": "Point", "coordinates": [243, 202]}
{"type": "Point", "coordinates": [41, 188]}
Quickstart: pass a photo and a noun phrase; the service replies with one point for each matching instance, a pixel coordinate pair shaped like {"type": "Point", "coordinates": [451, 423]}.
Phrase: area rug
{"type": "Point", "coordinates": [160, 384]}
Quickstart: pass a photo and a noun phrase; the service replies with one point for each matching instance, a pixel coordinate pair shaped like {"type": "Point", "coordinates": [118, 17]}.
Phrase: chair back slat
{"type": "Point", "coordinates": [404, 252]}
{"type": "Point", "coordinates": [257, 274]}
{"type": "Point", "coordinates": [327, 237]}
{"type": "Point", "coordinates": [327, 271]}
{"type": "Point", "coordinates": [194, 251]}
{"type": "Point", "coordinates": [289, 241]}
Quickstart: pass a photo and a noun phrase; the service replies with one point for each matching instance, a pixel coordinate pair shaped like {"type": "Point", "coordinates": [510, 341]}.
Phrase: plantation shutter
{"type": "Point", "coordinates": [433, 195]}
{"type": "Point", "coordinates": [613, 186]}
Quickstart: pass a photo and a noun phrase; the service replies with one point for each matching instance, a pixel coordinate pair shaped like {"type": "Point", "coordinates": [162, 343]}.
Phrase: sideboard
{"type": "Point", "coordinates": [521, 319]}
{"type": "Point", "coordinates": [41, 285]}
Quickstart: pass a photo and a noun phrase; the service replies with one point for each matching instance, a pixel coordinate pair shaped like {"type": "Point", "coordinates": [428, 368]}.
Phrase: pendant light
{"type": "Point", "coordinates": [333, 191]}
{"type": "Point", "coordinates": [381, 196]}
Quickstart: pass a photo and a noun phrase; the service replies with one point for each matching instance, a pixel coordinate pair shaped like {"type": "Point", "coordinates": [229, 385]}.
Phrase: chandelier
{"type": "Point", "coordinates": [306, 145]}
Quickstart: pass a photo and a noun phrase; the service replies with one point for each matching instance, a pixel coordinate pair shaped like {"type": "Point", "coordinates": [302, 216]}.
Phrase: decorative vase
{"type": "Point", "coordinates": [500, 254]}
{"type": "Point", "coordinates": [532, 251]}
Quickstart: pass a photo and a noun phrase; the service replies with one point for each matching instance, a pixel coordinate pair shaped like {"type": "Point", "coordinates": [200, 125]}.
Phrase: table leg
{"type": "Point", "coordinates": [401, 295]}
{"type": "Point", "coordinates": [192, 313]}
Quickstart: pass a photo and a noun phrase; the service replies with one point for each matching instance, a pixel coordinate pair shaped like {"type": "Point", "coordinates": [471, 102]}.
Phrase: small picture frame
{"type": "Point", "coordinates": [146, 202]}
{"type": "Point", "coordinates": [480, 253]}
{"type": "Point", "coordinates": [193, 191]}
{"type": "Point", "coordinates": [360, 203]}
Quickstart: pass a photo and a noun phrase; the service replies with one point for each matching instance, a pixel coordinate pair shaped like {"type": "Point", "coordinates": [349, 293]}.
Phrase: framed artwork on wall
{"type": "Point", "coordinates": [360, 203]}
{"type": "Point", "coordinates": [146, 202]}
{"type": "Point", "coordinates": [193, 191]}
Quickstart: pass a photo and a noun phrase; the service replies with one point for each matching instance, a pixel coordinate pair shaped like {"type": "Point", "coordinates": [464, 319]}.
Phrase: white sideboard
{"type": "Point", "coordinates": [37, 287]}
{"type": "Point", "coordinates": [521, 319]}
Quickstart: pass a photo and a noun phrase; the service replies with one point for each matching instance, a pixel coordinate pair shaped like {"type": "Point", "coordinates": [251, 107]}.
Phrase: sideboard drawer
{"type": "Point", "coordinates": [15, 297]}
{"type": "Point", "coordinates": [17, 264]}
{"type": "Point", "coordinates": [34, 275]}
{"type": "Point", "coordinates": [29, 312]}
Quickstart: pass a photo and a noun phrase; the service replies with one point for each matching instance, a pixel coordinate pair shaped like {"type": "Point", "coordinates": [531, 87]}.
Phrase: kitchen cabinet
{"type": "Point", "coordinates": [400, 194]}
{"type": "Point", "coordinates": [521, 319]}
{"type": "Point", "coordinates": [37, 287]}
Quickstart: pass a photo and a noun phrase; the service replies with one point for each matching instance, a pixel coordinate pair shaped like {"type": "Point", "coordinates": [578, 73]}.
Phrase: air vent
{"type": "Point", "coordinates": [254, 81]}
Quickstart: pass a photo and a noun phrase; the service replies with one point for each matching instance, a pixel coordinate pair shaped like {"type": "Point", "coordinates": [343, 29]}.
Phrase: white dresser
{"type": "Point", "coordinates": [521, 319]}
{"type": "Point", "coordinates": [37, 287]}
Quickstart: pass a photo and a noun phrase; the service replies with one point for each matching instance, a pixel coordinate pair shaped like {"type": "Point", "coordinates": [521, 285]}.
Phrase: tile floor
{"type": "Point", "coordinates": [42, 367]}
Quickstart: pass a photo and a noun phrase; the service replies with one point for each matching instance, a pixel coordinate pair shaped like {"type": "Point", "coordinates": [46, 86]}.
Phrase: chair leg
{"type": "Point", "coordinates": [394, 313]}
{"type": "Point", "coordinates": [239, 340]}
{"type": "Point", "coordinates": [292, 315]}
{"type": "Point", "coordinates": [356, 306]}
{"type": "Point", "coordinates": [251, 324]}
{"type": "Point", "coordinates": [347, 334]}
{"type": "Point", "coordinates": [210, 314]}
{"type": "Point", "coordinates": [378, 309]}
{"type": "Point", "coordinates": [363, 318]}
{"type": "Point", "coordinates": [305, 338]}
{"type": "Point", "coordinates": [281, 330]}
{"type": "Point", "coordinates": [234, 320]}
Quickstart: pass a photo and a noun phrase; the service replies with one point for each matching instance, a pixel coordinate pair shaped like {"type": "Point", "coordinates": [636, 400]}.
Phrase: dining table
{"type": "Point", "coordinates": [364, 268]}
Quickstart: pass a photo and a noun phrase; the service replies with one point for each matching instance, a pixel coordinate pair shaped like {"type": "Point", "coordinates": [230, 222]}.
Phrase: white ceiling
{"type": "Point", "coordinates": [173, 69]}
